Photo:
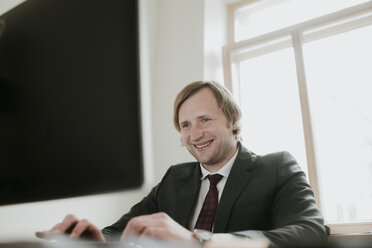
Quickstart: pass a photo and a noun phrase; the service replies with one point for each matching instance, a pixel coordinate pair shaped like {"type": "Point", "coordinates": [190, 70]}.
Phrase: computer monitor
{"type": "Point", "coordinates": [69, 99]}
{"type": "Point", "coordinates": [2, 27]}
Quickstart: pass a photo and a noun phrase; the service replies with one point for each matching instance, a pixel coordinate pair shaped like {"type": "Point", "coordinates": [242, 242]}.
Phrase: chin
{"type": "Point", "coordinates": [200, 159]}
{"type": "Point", "coordinates": [204, 160]}
{"type": "Point", "coordinates": [203, 157]}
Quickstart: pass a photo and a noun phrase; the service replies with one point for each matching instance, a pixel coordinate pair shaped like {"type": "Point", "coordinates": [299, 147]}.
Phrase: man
{"type": "Point", "coordinates": [258, 196]}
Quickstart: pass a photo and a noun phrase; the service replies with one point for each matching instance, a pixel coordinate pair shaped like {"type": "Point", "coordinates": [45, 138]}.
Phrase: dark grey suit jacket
{"type": "Point", "coordinates": [264, 196]}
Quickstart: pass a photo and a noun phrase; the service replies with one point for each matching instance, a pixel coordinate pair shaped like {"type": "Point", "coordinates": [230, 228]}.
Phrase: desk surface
{"type": "Point", "coordinates": [93, 244]}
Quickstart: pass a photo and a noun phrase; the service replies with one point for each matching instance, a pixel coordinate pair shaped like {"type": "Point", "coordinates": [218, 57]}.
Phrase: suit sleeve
{"type": "Point", "coordinates": [295, 217]}
{"type": "Point", "coordinates": [148, 205]}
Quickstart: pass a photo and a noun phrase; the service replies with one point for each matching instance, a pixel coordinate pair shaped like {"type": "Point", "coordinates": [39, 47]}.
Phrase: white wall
{"type": "Point", "coordinates": [6, 5]}
{"type": "Point", "coordinates": [215, 36]}
{"type": "Point", "coordinates": [178, 60]}
{"type": "Point", "coordinates": [174, 52]}
{"type": "Point", "coordinates": [189, 38]}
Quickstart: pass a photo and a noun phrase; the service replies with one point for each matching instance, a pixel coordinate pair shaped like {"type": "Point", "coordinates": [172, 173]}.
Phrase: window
{"type": "Point", "coordinates": [301, 71]}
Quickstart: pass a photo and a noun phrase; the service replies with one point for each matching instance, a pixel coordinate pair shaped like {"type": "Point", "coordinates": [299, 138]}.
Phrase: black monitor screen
{"type": "Point", "coordinates": [69, 99]}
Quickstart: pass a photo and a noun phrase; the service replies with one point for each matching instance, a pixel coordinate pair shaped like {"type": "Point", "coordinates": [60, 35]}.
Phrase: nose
{"type": "Point", "coordinates": [196, 133]}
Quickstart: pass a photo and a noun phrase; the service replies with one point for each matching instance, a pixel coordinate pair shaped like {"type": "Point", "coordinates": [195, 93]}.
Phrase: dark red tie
{"type": "Point", "coordinates": [205, 219]}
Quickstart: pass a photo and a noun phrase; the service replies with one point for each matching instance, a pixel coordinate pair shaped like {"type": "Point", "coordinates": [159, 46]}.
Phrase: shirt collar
{"type": "Point", "coordinates": [224, 171]}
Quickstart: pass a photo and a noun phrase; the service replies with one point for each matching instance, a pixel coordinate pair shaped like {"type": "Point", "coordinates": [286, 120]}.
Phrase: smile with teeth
{"type": "Point", "coordinates": [203, 145]}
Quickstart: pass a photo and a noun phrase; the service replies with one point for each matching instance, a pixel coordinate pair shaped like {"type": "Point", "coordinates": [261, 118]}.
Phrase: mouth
{"type": "Point", "coordinates": [203, 145]}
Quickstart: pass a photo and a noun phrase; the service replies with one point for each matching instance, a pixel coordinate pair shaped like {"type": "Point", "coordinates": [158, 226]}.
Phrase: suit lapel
{"type": "Point", "coordinates": [187, 197]}
{"type": "Point", "coordinates": [238, 178]}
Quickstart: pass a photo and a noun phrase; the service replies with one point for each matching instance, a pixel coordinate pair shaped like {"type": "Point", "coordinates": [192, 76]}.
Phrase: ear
{"type": "Point", "coordinates": [235, 123]}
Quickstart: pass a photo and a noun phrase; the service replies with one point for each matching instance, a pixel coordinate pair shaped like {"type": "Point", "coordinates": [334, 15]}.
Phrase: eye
{"type": "Point", "coordinates": [185, 125]}
{"type": "Point", "coordinates": [204, 120]}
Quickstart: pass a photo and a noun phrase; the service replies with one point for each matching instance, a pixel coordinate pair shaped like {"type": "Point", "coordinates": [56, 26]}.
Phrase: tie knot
{"type": "Point", "coordinates": [214, 179]}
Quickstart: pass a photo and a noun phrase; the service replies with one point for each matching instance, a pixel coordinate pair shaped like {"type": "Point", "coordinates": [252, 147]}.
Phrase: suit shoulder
{"type": "Point", "coordinates": [183, 169]}
{"type": "Point", "coordinates": [281, 157]}
{"type": "Point", "coordinates": [284, 162]}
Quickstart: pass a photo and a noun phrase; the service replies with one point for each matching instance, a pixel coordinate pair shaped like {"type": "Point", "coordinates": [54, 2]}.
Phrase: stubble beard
{"type": "Point", "coordinates": [218, 155]}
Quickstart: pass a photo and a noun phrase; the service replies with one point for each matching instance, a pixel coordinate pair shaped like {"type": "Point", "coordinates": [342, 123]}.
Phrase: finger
{"type": "Point", "coordinates": [65, 226]}
{"type": "Point", "coordinates": [40, 234]}
{"type": "Point", "coordinates": [147, 234]}
{"type": "Point", "coordinates": [48, 235]}
{"type": "Point", "coordinates": [137, 225]}
{"type": "Point", "coordinates": [133, 228]}
{"type": "Point", "coordinates": [152, 232]}
{"type": "Point", "coordinates": [79, 228]}
{"type": "Point", "coordinates": [95, 233]}
{"type": "Point", "coordinates": [85, 229]}
{"type": "Point", "coordinates": [167, 229]}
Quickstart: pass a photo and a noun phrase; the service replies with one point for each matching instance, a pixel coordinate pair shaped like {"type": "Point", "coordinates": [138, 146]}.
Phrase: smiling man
{"type": "Point", "coordinates": [206, 131]}
{"type": "Point", "coordinates": [229, 192]}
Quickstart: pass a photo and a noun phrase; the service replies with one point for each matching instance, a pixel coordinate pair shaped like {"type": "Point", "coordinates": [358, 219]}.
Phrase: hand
{"type": "Point", "coordinates": [158, 226]}
{"type": "Point", "coordinates": [75, 228]}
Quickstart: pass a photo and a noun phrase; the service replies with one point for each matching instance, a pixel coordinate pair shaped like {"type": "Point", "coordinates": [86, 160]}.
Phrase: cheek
{"type": "Point", "coordinates": [223, 133]}
{"type": "Point", "coordinates": [184, 138]}
{"type": "Point", "coordinates": [215, 130]}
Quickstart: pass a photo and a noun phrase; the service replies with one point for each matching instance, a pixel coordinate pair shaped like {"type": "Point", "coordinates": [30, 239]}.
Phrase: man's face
{"type": "Point", "coordinates": [205, 130]}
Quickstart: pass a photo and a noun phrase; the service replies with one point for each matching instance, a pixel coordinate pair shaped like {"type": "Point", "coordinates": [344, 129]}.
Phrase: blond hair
{"type": "Point", "coordinates": [225, 102]}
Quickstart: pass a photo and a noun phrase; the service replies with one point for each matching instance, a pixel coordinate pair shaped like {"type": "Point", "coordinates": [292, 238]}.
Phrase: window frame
{"type": "Point", "coordinates": [314, 29]}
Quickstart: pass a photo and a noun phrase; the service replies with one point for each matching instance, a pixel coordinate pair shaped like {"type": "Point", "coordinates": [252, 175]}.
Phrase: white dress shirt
{"type": "Point", "coordinates": [204, 188]}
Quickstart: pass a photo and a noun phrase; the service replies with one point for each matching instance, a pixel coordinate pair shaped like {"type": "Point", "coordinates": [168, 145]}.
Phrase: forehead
{"type": "Point", "coordinates": [200, 104]}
